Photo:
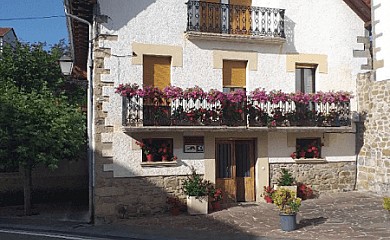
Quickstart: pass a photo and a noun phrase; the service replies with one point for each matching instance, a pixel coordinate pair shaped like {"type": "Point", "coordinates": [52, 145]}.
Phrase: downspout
{"type": "Point", "coordinates": [91, 155]}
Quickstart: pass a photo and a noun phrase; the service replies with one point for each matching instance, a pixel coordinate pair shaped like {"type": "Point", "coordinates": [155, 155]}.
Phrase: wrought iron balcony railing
{"type": "Point", "coordinates": [200, 112]}
{"type": "Point", "coordinates": [221, 18]}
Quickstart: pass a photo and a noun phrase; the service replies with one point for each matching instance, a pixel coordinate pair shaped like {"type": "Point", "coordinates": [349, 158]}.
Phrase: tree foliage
{"type": "Point", "coordinates": [32, 68]}
{"type": "Point", "coordinates": [38, 128]}
{"type": "Point", "coordinates": [39, 123]}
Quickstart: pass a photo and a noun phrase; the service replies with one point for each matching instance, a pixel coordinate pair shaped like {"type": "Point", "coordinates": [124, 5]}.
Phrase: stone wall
{"type": "Point", "coordinates": [69, 182]}
{"type": "Point", "coordinates": [334, 177]}
{"type": "Point", "coordinates": [374, 155]}
{"type": "Point", "coordinates": [117, 198]}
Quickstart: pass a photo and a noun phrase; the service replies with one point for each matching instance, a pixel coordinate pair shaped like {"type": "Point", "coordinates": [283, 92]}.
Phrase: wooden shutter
{"type": "Point", "coordinates": [234, 73]}
{"type": "Point", "coordinates": [157, 71]}
{"type": "Point", "coordinates": [210, 16]}
{"type": "Point", "coordinates": [238, 15]}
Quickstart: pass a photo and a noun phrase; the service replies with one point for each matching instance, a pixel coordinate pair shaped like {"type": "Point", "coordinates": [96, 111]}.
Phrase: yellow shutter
{"type": "Point", "coordinates": [236, 22]}
{"type": "Point", "coordinates": [157, 71]}
{"type": "Point", "coordinates": [234, 73]}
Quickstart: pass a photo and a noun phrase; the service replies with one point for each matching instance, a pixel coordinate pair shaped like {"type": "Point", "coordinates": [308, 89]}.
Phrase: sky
{"type": "Point", "coordinates": [50, 30]}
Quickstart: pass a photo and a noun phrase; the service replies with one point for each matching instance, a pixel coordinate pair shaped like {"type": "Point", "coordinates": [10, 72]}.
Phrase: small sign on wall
{"type": "Point", "coordinates": [193, 144]}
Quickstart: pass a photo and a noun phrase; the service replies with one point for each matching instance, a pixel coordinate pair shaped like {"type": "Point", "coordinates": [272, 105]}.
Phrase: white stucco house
{"type": "Point", "coordinates": [7, 36]}
{"type": "Point", "coordinates": [261, 85]}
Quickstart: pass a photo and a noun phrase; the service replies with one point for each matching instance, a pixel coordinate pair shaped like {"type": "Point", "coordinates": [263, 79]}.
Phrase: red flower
{"type": "Point", "coordinates": [293, 155]}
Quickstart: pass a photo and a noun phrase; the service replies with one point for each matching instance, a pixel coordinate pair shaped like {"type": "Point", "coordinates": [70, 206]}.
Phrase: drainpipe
{"type": "Point", "coordinates": [90, 113]}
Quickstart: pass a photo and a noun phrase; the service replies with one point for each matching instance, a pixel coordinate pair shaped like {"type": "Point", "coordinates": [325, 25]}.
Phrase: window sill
{"type": "Point", "coordinates": [310, 160]}
{"type": "Point", "coordinates": [159, 164]}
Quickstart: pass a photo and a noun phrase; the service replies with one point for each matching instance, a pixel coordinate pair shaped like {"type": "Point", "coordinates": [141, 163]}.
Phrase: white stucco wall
{"type": "Point", "coordinates": [327, 27]}
{"type": "Point", "coordinates": [381, 33]}
{"type": "Point", "coordinates": [279, 151]}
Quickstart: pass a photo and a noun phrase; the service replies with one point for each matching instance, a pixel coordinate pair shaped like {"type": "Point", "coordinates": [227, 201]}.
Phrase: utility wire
{"type": "Point", "coordinates": [31, 18]}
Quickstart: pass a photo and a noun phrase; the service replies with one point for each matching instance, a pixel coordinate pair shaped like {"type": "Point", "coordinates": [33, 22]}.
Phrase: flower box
{"type": "Point", "coordinates": [197, 205]}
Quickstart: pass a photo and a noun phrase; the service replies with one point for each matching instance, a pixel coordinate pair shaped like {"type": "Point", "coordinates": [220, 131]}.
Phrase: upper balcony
{"type": "Point", "coordinates": [176, 110]}
{"type": "Point", "coordinates": [226, 22]}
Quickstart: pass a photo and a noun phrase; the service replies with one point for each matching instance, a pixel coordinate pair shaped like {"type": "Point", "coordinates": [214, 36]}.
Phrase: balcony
{"type": "Point", "coordinates": [235, 111]}
{"type": "Point", "coordinates": [225, 22]}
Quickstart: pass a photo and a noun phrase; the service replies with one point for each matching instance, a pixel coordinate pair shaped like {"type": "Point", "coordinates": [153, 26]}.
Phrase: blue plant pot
{"type": "Point", "coordinates": [288, 222]}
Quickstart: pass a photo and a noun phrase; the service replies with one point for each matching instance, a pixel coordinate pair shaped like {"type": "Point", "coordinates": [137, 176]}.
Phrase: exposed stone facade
{"type": "Point", "coordinates": [374, 155]}
{"type": "Point", "coordinates": [117, 198]}
{"type": "Point", "coordinates": [334, 177]}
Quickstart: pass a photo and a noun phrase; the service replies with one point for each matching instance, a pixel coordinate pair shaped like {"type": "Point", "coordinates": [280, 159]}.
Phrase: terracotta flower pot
{"type": "Point", "coordinates": [149, 157]}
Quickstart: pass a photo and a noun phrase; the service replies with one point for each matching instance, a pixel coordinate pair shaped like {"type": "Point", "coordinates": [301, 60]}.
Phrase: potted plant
{"type": "Point", "coordinates": [288, 204]}
{"type": "Point", "coordinates": [147, 149]}
{"type": "Point", "coordinates": [304, 191]}
{"type": "Point", "coordinates": [196, 189]}
{"type": "Point", "coordinates": [286, 180]}
{"type": "Point", "coordinates": [164, 152]}
{"type": "Point", "coordinates": [215, 196]}
{"type": "Point", "coordinates": [268, 192]}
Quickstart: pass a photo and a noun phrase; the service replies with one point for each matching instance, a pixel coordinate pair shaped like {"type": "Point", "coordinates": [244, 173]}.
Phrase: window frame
{"type": "Point", "coordinates": [302, 68]}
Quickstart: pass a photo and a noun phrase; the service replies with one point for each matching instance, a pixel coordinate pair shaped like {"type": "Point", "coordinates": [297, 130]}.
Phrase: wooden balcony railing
{"type": "Point", "coordinates": [207, 17]}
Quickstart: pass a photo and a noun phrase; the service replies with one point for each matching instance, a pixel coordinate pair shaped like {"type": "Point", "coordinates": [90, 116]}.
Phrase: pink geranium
{"type": "Point", "coordinates": [259, 95]}
{"type": "Point", "coordinates": [173, 92]}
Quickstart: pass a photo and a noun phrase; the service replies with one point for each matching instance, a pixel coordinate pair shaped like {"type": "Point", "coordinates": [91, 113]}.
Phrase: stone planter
{"type": "Point", "coordinates": [197, 206]}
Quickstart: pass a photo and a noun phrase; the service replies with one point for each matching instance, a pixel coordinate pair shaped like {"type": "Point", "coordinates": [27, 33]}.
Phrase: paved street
{"type": "Point", "coordinates": [349, 215]}
{"type": "Point", "coordinates": [32, 235]}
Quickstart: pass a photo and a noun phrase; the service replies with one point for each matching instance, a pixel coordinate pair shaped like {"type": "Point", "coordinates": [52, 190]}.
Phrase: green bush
{"type": "Point", "coordinates": [286, 200]}
{"type": "Point", "coordinates": [195, 185]}
{"type": "Point", "coordinates": [286, 178]}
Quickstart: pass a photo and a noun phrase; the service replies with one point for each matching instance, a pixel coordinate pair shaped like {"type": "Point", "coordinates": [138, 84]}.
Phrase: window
{"type": "Point", "coordinates": [308, 148]}
{"type": "Point", "coordinates": [157, 71]}
{"type": "Point", "coordinates": [234, 75]}
{"type": "Point", "coordinates": [157, 149]}
{"type": "Point", "coordinates": [305, 78]}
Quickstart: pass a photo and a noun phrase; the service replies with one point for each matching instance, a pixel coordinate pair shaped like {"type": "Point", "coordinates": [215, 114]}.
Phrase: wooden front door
{"type": "Point", "coordinates": [235, 169]}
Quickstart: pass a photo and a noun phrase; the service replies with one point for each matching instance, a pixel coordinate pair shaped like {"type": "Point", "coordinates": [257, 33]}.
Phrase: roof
{"type": "Point", "coordinates": [4, 31]}
{"type": "Point", "coordinates": [79, 33]}
{"type": "Point", "coordinates": [362, 8]}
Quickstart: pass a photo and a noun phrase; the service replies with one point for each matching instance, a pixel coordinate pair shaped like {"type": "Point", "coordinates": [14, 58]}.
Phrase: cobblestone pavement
{"type": "Point", "coordinates": [350, 215]}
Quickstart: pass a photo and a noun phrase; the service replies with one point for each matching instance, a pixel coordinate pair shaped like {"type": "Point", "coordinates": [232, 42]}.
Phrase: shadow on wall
{"type": "Point", "coordinates": [142, 201]}
{"type": "Point", "coordinates": [289, 26]}
{"type": "Point", "coordinates": [122, 16]}
{"type": "Point", "coordinates": [360, 129]}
